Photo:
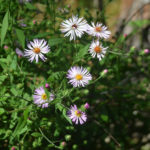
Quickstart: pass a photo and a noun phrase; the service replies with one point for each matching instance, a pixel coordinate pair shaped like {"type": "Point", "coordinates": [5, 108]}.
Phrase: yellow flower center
{"type": "Point", "coordinates": [74, 26]}
{"type": "Point", "coordinates": [36, 50]}
{"type": "Point", "coordinates": [79, 77]}
{"type": "Point", "coordinates": [78, 113]}
{"type": "Point", "coordinates": [97, 49]}
{"type": "Point", "coordinates": [98, 29]}
{"type": "Point", "coordinates": [44, 97]}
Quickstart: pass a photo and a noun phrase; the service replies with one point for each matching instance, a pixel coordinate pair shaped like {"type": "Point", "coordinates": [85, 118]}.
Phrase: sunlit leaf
{"type": "Point", "coordinates": [4, 27]}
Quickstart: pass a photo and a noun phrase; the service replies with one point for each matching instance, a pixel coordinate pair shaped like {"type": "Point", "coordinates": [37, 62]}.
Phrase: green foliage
{"type": "Point", "coordinates": [82, 52]}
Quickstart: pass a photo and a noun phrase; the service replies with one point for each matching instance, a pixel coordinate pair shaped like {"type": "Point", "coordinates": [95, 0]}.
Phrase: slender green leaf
{"type": "Point", "coordinates": [1, 111]}
{"type": "Point", "coordinates": [30, 6]}
{"type": "Point", "coordinates": [104, 118]}
{"type": "Point", "coordinates": [67, 118]}
{"type": "Point", "coordinates": [36, 134]}
{"type": "Point", "coordinates": [82, 52]}
{"type": "Point", "coordinates": [21, 125]}
{"type": "Point", "coordinates": [55, 41]}
{"type": "Point", "coordinates": [4, 27]}
{"type": "Point", "coordinates": [21, 37]}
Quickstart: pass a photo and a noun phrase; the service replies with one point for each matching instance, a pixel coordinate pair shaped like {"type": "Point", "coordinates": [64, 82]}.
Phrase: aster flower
{"type": "Point", "coordinates": [97, 50]}
{"type": "Point", "coordinates": [76, 115]}
{"type": "Point", "coordinates": [98, 30]}
{"type": "Point", "coordinates": [74, 27]}
{"type": "Point", "coordinates": [41, 99]}
{"type": "Point", "coordinates": [78, 76]}
{"type": "Point", "coordinates": [36, 49]}
{"type": "Point", "coordinates": [19, 52]}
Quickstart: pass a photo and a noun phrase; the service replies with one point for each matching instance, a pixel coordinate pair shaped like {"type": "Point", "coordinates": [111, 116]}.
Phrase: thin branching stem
{"type": "Point", "coordinates": [109, 134]}
{"type": "Point", "coordinates": [46, 138]}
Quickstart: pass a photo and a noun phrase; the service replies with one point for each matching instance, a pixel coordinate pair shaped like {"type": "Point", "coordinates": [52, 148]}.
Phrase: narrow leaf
{"type": "Point", "coordinates": [4, 27]}
{"type": "Point", "coordinates": [36, 134]}
{"type": "Point", "coordinates": [55, 41]}
{"type": "Point", "coordinates": [82, 52]}
{"type": "Point", "coordinates": [30, 6]}
{"type": "Point", "coordinates": [21, 125]}
{"type": "Point", "coordinates": [21, 37]}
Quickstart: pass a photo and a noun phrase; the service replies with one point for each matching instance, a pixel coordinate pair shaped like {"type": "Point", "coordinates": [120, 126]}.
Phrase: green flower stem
{"type": "Point", "coordinates": [117, 53]}
{"type": "Point", "coordinates": [96, 79]}
{"type": "Point", "coordinates": [44, 136]}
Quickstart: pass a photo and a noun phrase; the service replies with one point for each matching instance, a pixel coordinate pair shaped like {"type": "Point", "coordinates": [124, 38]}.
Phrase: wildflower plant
{"type": "Point", "coordinates": [55, 87]}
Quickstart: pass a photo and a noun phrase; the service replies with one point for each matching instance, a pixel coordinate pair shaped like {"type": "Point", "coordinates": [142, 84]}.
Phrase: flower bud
{"type": "Point", "coordinates": [86, 106]}
{"type": "Point", "coordinates": [146, 51]}
{"type": "Point", "coordinates": [47, 86]}
{"type": "Point", "coordinates": [6, 47]}
{"type": "Point", "coordinates": [63, 143]}
{"type": "Point", "coordinates": [34, 21]}
{"type": "Point", "coordinates": [13, 148]}
{"type": "Point", "coordinates": [105, 71]}
{"type": "Point", "coordinates": [125, 35]}
{"type": "Point", "coordinates": [68, 137]}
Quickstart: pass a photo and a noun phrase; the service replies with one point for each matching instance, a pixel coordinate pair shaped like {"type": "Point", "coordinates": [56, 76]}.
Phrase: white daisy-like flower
{"type": "Point", "coordinates": [78, 76]}
{"type": "Point", "coordinates": [74, 27]}
{"type": "Point", "coordinates": [36, 49]}
{"type": "Point", "coordinates": [77, 116]}
{"type": "Point", "coordinates": [41, 99]}
{"type": "Point", "coordinates": [98, 30]}
{"type": "Point", "coordinates": [97, 50]}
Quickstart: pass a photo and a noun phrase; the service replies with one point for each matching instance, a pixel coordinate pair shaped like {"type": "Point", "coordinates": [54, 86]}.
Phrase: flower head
{"type": "Point", "coordinates": [41, 98]}
{"type": "Point", "coordinates": [19, 52]}
{"type": "Point", "coordinates": [76, 115]}
{"type": "Point", "coordinates": [74, 27]}
{"type": "Point", "coordinates": [86, 106]}
{"type": "Point", "coordinates": [97, 50]}
{"type": "Point", "coordinates": [78, 76]}
{"type": "Point", "coordinates": [98, 30]}
{"type": "Point", "coordinates": [36, 49]}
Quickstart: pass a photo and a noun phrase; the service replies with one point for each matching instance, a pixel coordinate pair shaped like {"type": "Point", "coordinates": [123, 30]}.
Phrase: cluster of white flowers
{"type": "Point", "coordinates": [73, 27]}
{"type": "Point", "coordinates": [78, 76]}
{"type": "Point", "coordinates": [76, 27]}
